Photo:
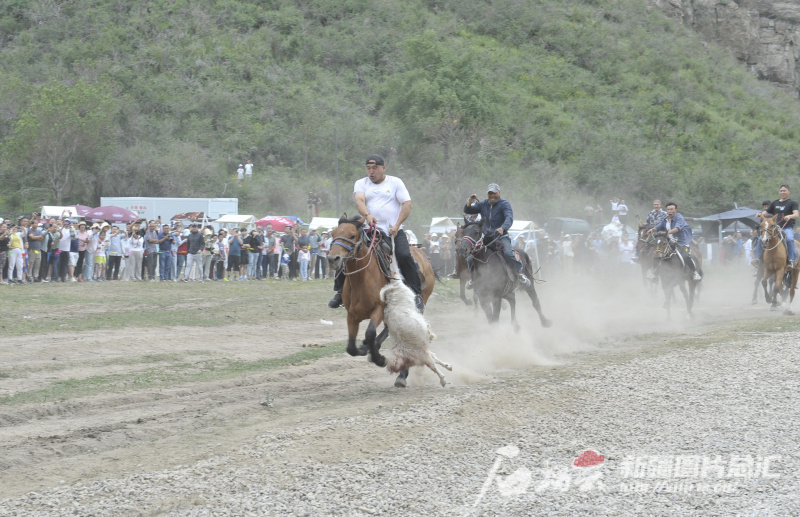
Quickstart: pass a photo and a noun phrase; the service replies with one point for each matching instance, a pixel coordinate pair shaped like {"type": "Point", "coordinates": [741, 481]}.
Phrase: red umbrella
{"type": "Point", "coordinates": [278, 222]}
{"type": "Point", "coordinates": [82, 210]}
{"type": "Point", "coordinates": [112, 214]}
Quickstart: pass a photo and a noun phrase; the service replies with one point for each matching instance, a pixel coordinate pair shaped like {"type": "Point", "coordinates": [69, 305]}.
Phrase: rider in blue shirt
{"type": "Point", "coordinates": [497, 218]}
{"type": "Point", "coordinates": [680, 235]}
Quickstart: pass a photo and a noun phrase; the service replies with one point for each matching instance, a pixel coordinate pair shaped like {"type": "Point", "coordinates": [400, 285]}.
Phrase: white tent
{"type": "Point", "coordinates": [325, 223]}
{"type": "Point", "coordinates": [56, 211]}
{"type": "Point", "coordinates": [442, 225]}
{"type": "Point", "coordinates": [235, 221]}
{"type": "Point", "coordinates": [519, 226]}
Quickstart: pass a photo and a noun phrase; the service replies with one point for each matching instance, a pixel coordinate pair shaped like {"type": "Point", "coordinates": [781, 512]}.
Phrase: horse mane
{"type": "Point", "coordinates": [356, 220]}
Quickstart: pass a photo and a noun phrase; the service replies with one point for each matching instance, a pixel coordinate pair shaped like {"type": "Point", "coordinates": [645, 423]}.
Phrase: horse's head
{"type": "Point", "coordinates": [344, 241]}
{"type": "Point", "coordinates": [768, 229]}
{"type": "Point", "coordinates": [661, 245]}
{"type": "Point", "coordinates": [645, 241]}
{"type": "Point", "coordinates": [470, 234]}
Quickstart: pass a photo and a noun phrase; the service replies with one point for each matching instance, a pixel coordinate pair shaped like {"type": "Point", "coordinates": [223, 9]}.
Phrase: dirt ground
{"type": "Point", "coordinates": [95, 430]}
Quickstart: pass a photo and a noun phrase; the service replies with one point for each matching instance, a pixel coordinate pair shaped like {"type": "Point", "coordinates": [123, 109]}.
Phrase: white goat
{"type": "Point", "coordinates": [411, 334]}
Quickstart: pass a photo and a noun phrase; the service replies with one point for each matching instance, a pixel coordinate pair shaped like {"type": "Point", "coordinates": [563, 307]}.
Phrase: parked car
{"type": "Point", "coordinates": [557, 226]}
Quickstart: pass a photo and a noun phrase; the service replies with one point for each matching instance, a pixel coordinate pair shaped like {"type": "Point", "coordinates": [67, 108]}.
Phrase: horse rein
{"type": "Point", "coordinates": [353, 249]}
{"type": "Point", "coordinates": [477, 247]}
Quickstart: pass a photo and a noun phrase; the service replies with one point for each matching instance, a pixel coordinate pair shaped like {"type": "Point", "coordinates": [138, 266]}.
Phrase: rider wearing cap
{"type": "Point", "coordinates": [497, 218]}
{"type": "Point", "coordinates": [384, 201]}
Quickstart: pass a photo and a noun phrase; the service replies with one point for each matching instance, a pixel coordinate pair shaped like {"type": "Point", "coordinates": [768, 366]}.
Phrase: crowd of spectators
{"type": "Point", "coordinates": [72, 250]}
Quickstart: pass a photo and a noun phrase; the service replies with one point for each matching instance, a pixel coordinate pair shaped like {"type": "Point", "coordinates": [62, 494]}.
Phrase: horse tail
{"type": "Point", "coordinates": [437, 276]}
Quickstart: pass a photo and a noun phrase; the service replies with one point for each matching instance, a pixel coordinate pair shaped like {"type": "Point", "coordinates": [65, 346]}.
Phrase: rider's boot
{"type": "Point", "coordinates": [453, 275]}
{"type": "Point", "coordinates": [651, 275]}
{"type": "Point", "coordinates": [468, 285]}
{"type": "Point", "coordinates": [524, 281]}
{"type": "Point", "coordinates": [755, 262]}
{"type": "Point", "coordinates": [696, 277]}
{"type": "Point", "coordinates": [336, 301]}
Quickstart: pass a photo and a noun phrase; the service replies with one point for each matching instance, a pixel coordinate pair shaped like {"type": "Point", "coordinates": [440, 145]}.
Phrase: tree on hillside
{"type": "Point", "coordinates": [65, 132]}
{"type": "Point", "coordinates": [439, 85]}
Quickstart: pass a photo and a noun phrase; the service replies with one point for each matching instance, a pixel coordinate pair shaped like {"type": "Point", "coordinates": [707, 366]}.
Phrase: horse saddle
{"type": "Point", "coordinates": [383, 248]}
{"type": "Point", "coordinates": [509, 268]}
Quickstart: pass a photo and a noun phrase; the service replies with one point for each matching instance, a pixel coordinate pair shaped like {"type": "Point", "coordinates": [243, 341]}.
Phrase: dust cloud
{"type": "Point", "coordinates": [587, 311]}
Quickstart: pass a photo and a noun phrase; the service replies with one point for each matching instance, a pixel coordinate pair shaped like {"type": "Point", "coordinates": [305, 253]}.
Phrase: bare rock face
{"type": "Point", "coordinates": [763, 34]}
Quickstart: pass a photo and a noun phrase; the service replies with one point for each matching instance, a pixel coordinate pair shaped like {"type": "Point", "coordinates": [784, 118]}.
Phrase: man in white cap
{"type": "Point", "coordinates": [497, 218]}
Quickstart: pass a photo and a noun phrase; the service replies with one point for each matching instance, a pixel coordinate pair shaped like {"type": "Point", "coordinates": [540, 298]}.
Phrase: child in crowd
{"type": "Point", "coordinates": [303, 256]}
{"type": "Point", "coordinates": [285, 265]}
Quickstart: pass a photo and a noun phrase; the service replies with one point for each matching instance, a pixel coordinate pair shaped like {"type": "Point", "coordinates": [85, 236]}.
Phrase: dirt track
{"type": "Point", "coordinates": [118, 429]}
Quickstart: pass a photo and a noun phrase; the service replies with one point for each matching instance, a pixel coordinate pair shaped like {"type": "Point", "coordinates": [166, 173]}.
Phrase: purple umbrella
{"type": "Point", "coordinates": [82, 210]}
{"type": "Point", "coordinates": [112, 214]}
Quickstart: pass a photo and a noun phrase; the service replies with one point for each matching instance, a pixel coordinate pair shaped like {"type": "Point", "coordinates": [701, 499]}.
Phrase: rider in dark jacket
{"type": "Point", "coordinates": [497, 218]}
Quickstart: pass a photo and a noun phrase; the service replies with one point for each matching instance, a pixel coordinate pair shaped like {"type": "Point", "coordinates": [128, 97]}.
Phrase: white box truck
{"type": "Point", "coordinates": [167, 207]}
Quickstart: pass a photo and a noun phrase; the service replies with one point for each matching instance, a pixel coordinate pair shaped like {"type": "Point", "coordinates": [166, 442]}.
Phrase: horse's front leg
{"type": "Point", "coordinates": [462, 282]}
{"type": "Point", "coordinates": [382, 336]}
{"type": "Point", "coordinates": [767, 294]}
{"type": "Point", "coordinates": [486, 305]}
{"type": "Point", "coordinates": [370, 341]}
{"type": "Point", "coordinates": [512, 303]}
{"type": "Point", "coordinates": [352, 332]}
{"type": "Point", "coordinates": [496, 306]}
{"type": "Point", "coordinates": [777, 289]}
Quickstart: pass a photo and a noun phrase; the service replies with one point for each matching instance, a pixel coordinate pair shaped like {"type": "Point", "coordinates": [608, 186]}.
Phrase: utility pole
{"type": "Point", "coordinates": [336, 161]}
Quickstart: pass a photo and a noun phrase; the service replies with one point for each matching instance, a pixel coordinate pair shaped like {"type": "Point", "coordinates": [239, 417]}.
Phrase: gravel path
{"type": "Point", "coordinates": [691, 428]}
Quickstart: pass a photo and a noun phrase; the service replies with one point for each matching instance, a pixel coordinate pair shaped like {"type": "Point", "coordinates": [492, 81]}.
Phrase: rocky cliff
{"type": "Point", "coordinates": [763, 34]}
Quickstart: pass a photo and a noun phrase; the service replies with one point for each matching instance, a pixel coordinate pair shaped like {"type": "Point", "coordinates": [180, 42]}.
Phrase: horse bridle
{"type": "Point", "coordinates": [667, 252]}
{"type": "Point", "coordinates": [353, 247]}
{"type": "Point", "coordinates": [772, 230]}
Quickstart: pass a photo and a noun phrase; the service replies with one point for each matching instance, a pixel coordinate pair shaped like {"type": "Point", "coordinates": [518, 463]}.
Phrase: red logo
{"type": "Point", "coordinates": [589, 459]}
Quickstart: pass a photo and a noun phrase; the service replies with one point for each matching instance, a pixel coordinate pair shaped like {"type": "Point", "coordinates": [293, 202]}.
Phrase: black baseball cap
{"type": "Point", "coordinates": [375, 159]}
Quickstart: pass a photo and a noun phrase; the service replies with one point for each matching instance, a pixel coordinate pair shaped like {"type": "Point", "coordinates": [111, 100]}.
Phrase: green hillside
{"type": "Point", "coordinates": [562, 102]}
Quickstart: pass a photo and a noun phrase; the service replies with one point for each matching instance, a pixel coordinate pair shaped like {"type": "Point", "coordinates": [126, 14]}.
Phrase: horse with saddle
{"type": "Point", "coordinates": [493, 278]}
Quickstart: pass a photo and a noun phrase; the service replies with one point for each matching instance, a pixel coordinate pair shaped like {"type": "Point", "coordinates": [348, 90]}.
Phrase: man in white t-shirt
{"type": "Point", "coordinates": [248, 170]}
{"type": "Point", "coordinates": [384, 201]}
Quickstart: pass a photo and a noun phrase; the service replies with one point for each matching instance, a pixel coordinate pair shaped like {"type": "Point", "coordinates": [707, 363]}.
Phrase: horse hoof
{"type": "Point", "coordinates": [547, 323]}
{"type": "Point", "coordinates": [362, 350]}
{"type": "Point", "coordinates": [352, 350]}
{"type": "Point", "coordinates": [400, 382]}
{"type": "Point", "coordinates": [442, 381]}
{"type": "Point", "coordinates": [788, 312]}
{"type": "Point", "coordinates": [378, 359]}
{"type": "Point", "coordinates": [467, 303]}
{"type": "Point", "coordinates": [773, 308]}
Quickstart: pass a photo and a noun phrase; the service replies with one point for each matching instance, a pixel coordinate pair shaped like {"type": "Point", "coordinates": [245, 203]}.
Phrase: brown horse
{"type": "Point", "coordinates": [775, 267]}
{"type": "Point", "coordinates": [353, 254]}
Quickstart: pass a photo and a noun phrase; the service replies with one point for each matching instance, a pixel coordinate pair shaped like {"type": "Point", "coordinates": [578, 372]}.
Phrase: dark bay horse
{"type": "Point", "coordinates": [645, 255]}
{"type": "Point", "coordinates": [462, 271]}
{"type": "Point", "coordinates": [353, 253]}
{"type": "Point", "coordinates": [490, 280]}
{"type": "Point", "coordinates": [672, 273]}
{"type": "Point", "coordinates": [772, 239]}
